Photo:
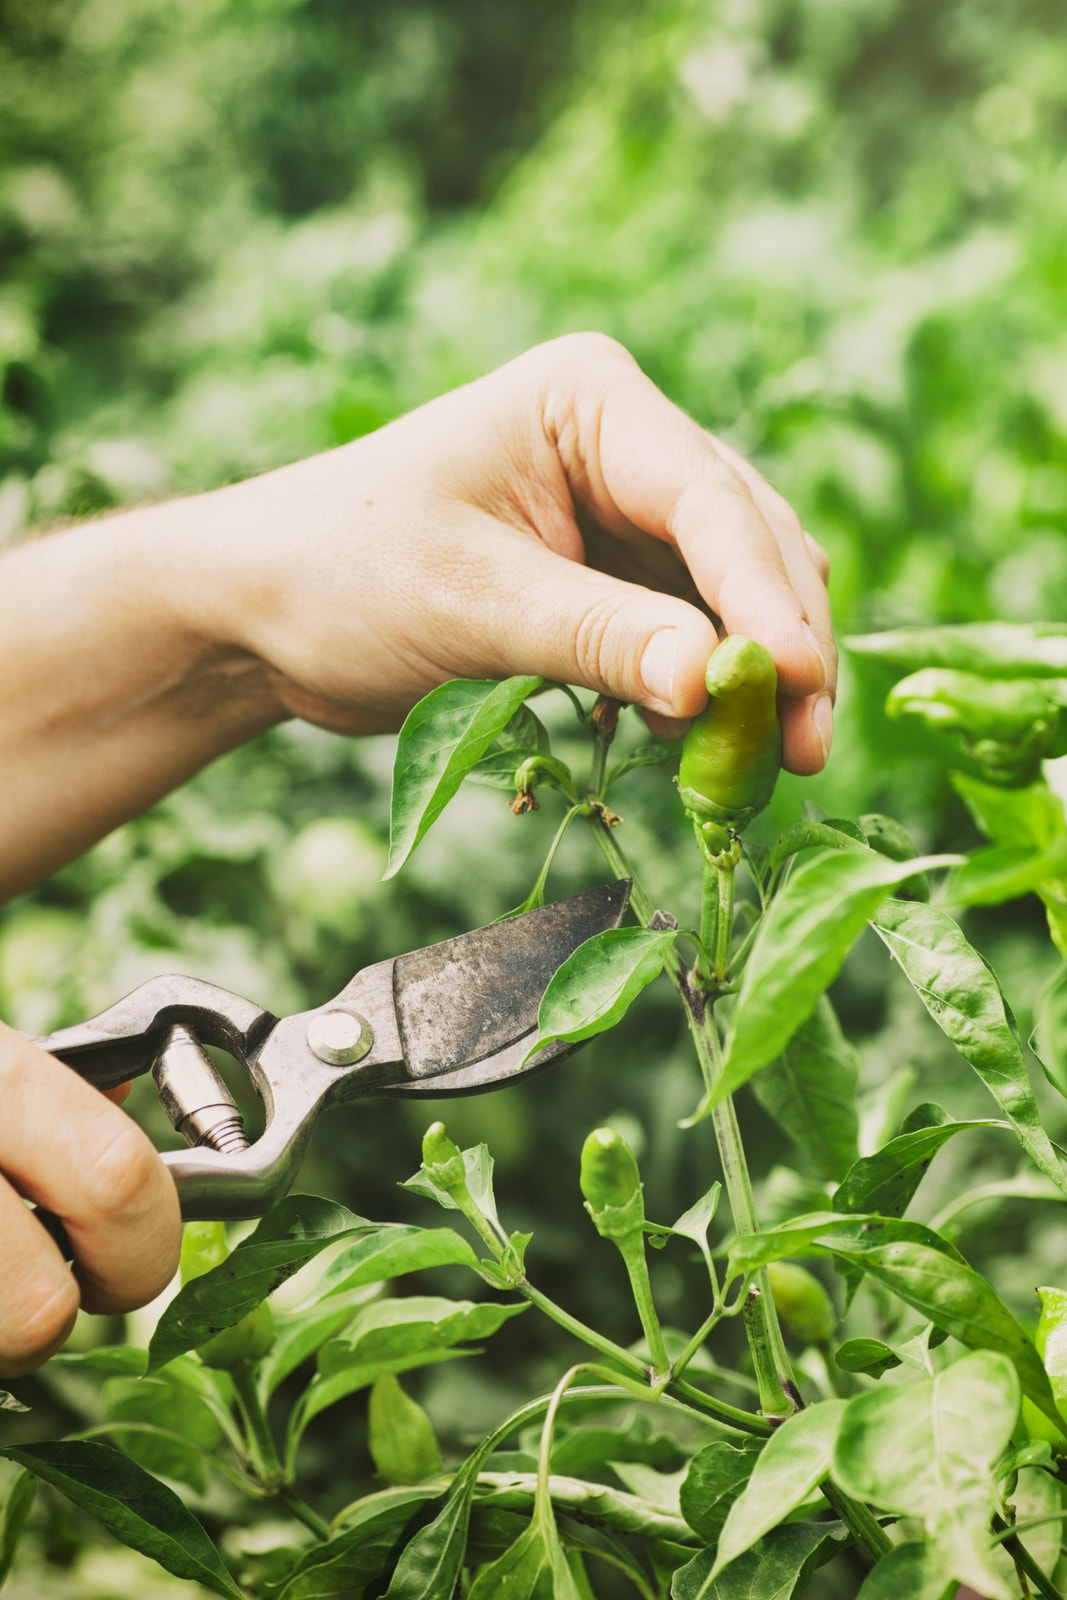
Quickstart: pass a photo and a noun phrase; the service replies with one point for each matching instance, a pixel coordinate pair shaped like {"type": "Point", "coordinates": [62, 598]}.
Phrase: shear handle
{"type": "Point", "coordinates": [124, 1041]}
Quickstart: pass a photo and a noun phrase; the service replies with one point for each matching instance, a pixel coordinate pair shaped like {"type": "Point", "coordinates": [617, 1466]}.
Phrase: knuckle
{"type": "Point", "coordinates": [47, 1309]}
{"type": "Point", "coordinates": [591, 347]}
{"type": "Point", "coordinates": [595, 642]}
{"type": "Point", "coordinates": [122, 1177]}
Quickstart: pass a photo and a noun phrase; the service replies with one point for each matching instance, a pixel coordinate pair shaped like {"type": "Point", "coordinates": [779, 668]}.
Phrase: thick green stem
{"type": "Point", "coordinates": [860, 1521]}
{"type": "Point", "coordinates": [262, 1453]}
{"type": "Point", "coordinates": [725, 876]}
{"type": "Point", "coordinates": [709, 922]}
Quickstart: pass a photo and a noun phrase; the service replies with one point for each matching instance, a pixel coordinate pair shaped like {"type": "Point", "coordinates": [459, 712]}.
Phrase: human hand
{"type": "Point", "coordinates": [64, 1145]}
{"type": "Point", "coordinates": [559, 516]}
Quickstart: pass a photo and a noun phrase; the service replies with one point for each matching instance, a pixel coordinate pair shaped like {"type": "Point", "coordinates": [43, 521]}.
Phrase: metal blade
{"type": "Point", "coordinates": [470, 998]}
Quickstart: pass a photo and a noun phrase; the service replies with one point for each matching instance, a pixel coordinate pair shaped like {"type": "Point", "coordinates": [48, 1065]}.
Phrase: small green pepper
{"type": "Point", "coordinates": [203, 1247]}
{"type": "Point", "coordinates": [1008, 726]}
{"type": "Point", "coordinates": [732, 752]}
{"type": "Point", "coordinates": [437, 1148]}
{"type": "Point", "coordinates": [609, 1175]}
{"type": "Point", "coordinates": [802, 1302]}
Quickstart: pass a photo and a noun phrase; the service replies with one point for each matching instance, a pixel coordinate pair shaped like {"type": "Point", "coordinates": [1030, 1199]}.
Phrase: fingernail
{"type": "Point", "coordinates": [658, 665]}
{"type": "Point", "coordinates": [813, 643]}
{"type": "Point", "coordinates": [823, 718]}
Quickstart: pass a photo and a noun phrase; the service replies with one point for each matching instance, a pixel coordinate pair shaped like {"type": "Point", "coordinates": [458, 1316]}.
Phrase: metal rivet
{"type": "Point", "coordinates": [340, 1038]}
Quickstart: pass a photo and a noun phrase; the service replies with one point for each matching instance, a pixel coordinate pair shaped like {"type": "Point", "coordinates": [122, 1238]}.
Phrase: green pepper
{"type": "Point", "coordinates": [437, 1148]}
{"type": "Point", "coordinates": [732, 752]}
{"type": "Point", "coordinates": [203, 1247]}
{"type": "Point", "coordinates": [609, 1175]}
{"type": "Point", "coordinates": [802, 1302]}
{"type": "Point", "coordinates": [1050, 1342]}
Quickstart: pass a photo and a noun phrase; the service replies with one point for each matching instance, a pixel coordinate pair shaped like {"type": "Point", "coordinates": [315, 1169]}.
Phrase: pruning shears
{"type": "Point", "coordinates": [455, 1018]}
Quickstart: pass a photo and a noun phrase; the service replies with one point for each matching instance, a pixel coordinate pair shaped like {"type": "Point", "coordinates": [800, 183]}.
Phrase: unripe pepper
{"type": "Point", "coordinates": [802, 1302]}
{"type": "Point", "coordinates": [615, 1199]}
{"type": "Point", "coordinates": [732, 752]}
{"type": "Point", "coordinates": [203, 1247]}
{"type": "Point", "coordinates": [609, 1174]}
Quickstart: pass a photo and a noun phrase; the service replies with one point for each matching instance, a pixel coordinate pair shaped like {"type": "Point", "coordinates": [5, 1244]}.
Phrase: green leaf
{"type": "Point", "coordinates": [928, 1451]}
{"type": "Point", "coordinates": [990, 649]}
{"type": "Point", "coordinates": [596, 985]}
{"type": "Point", "coordinates": [582, 1452]}
{"type": "Point", "coordinates": [913, 1569]}
{"type": "Point", "coordinates": [171, 1407]}
{"type": "Point", "coordinates": [118, 1360]}
{"type": "Point", "coordinates": [810, 1091]}
{"type": "Point", "coordinates": [1004, 872]}
{"type": "Point", "coordinates": [1031, 817]}
{"type": "Point", "coordinates": [809, 835]}
{"type": "Point", "coordinates": [647, 755]}
{"type": "Point", "coordinates": [326, 1389]}
{"type": "Point", "coordinates": [395, 1328]}
{"type": "Point", "coordinates": [298, 1228]}
{"type": "Point", "coordinates": [964, 999]}
{"type": "Point", "coordinates": [789, 1468]}
{"type": "Point", "coordinates": [524, 736]}
{"type": "Point", "coordinates": [430, 1565]}
{"type": "Point", "coordinates": [297, 1338]}
{"type": "Point", "coordinates": [362, 1551]}
{"type": "Point", "coordinates": [693, 1225]}
{"type": "Point", "coordinates": [16, 1510]}
{"type": "Point", "coordinates": [798, 951]}
{"type": "Point", "coordinates": [534, 1568]}
{"type": "Point", "coordinates": [478, 1172]}
{"type": "Point", "coordinates": [444, 736]}
{"type": "Point", "coordinates": [1049, 1038]}
{"type": "Point", "coordinates": [391, 1252]}
{"type": "Point", "coordinates": [8, 1402]}
{"type": "Point", "coordinates": [400, 1435]}
{"type": "Point", "coordinates": [866, 1355]}
{"type": "Point", "coordinates": [139, 1510]}
{"type": "Point", "coordinates": [716, 1476]}
{"type": "Point", "coordinates": [778, 1567]}
{"type": "Point", "coordinates": [885, 1183]}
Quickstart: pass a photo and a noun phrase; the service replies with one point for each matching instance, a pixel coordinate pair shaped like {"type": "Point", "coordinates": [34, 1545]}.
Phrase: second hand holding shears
{"type": "Point", "coordinates": [455, 1018]}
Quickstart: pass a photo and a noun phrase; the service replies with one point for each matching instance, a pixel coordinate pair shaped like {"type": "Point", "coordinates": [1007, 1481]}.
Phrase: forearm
{"type": "Point", "coordinates": [114, 691]}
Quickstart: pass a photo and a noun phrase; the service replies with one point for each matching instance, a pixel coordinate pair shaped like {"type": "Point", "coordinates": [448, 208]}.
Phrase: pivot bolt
{"type": "Point", "coordinates": [340, 1038]}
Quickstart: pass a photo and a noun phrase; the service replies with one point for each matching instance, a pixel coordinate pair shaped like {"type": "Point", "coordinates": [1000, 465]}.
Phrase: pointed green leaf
{"type": "Point", "coordinates": [964, 999]}
{"type": "Point", "coordinates": [990, 649]}
{"type": "Point", "coordinates": [139, 1510]}
{"type": "Point", "coordinates": [16, 1510]}
{"type": "Point", "coordinates": [391, 1252]}
{"type": "Point", "coordinates": [1049, 1038]}
{"type": "Point", "coordinates": [596, 985]}
{"type": "Point", "coordinates": [430, 1565]}
{"type": "Point", "coordinates": [789, 1468]}
{"type": "Point", "coordinates": [798, 951]}
{"type": "Point", "coordinates": [871, 1356]}
{"type": "Point", "coordinates": [715, 1478]}
{"type": "Point", "coordinates": [298, 1228]}
{"type": "Point", "coordinates": [915, 1570]}
{"type": "Point", "coordinates": [778, 1567]}
{"type": "Point", "coordinates": [810, 1091]}
{"type": "Point", "coordinates": [400, 1435]}
{"type": "Point", "coordinates": [362, 1551]}
{"type": "Point", "coordinates": [444, 736]}
{"type": "Point", "coordinates": [885, 1183]}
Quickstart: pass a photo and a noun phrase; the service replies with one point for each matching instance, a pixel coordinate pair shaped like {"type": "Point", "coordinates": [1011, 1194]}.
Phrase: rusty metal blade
{"type": "Point", "coordinates": [471, 998]}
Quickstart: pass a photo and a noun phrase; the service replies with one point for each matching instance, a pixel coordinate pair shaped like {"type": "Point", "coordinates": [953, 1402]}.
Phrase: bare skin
{"type": "Point", "coordinates": [559, 516]}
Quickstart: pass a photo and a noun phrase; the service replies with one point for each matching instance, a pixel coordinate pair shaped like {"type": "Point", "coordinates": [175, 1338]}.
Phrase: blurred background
{"type": "Point", "coordinates": [233, 232]}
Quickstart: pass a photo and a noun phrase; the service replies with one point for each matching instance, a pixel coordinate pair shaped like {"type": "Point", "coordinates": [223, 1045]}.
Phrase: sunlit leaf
{"type": "Point", "coordinates": [778, 1567]}
{"type": "Point", "coordinates": [444, 736]}
{"type": "Point", "coordinates": [596, 986]}
{"type": "Point", "coordinates": [885, 1183]}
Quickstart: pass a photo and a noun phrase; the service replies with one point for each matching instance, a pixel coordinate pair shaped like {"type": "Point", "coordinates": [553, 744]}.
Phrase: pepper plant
{"type": "Point", "coordinates": [890, 1413]}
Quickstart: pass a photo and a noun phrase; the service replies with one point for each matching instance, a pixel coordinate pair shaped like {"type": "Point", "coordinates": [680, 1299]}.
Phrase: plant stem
{"type": "Point", "coordinates": [1025, 1561]}
{"type": "Point", "coordinates": [710, 920]}
{"type": "Point", "coordinates": [262, 1454]}
{"type": "Point", "coordinates": [860, 1521]}
{"type": "Point", "coordinates": [300, 1509]}
{"type": "Point", "coordinates": [632, 1250]}
{"type": "Point", "coordinates": [725, 929]}
{"type": "Point", "coordinates": [706, 1404]}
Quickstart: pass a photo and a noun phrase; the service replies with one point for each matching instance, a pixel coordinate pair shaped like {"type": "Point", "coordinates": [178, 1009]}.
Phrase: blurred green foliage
{"type": "Point", "coordinates": [834, 230]}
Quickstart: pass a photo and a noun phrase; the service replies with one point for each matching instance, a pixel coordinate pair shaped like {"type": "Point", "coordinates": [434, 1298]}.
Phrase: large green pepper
{"type": "Point", "coordinates": [1008, 725]}
{"type": "Point", "coordinates": [732, 752]}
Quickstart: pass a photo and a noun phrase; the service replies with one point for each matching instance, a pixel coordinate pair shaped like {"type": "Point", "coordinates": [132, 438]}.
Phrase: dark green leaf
{"type": "Point", "coordinates": [583, 1452]}
{"type": "Point", "coordinates": [866, 1355]}
{"type": "Point", "coordinates": [810, 1091]}
{"type": "Point", "coordinates": [777, 1568]}
{"type": "Point", "coordinates": [928, 1450]}
{"type": "Point", "coordinates": [444, 736]}
{"type": "Point", "coordinates": [391, 1328]}
{"type": "Point", "coordinates": [596, 985]}
{"type": "Point", "coordinates": [362, 1551]}
{"type": "Point", "coordinates": [524, 736]}
{"type": "Point", "coordinates": [797, 953]}
{"type": "Point", "coordinates": [964, 999]}
{"type": "Point", "coordinates": [16, 1510]}
{"type": "Point", "coordinates": [885, 1183]}
{"type": "Point", "coordinates": [298, 1228]}
{"type": "Point", "coordinates": [811, 835]}
{"type": "Point", "coordinates": [139, 1510]}
{"type": "Point", "coordinates": [497, 770]}
{"type": "Point", "coordinates": [650, 1515]}
{"type": "Point", "coordinates": [430, 1565]}
{"type": "Point", "coordinates": [534, 1568]}
{"type": "Point", "coordinates": [297, 1338]}
{"type": "Point", "coordinates": [788, 1469]}
{"type": "Point", "coordinates": [400, 1435]}
{"type": "Point", "coordinates": [716, 1476]}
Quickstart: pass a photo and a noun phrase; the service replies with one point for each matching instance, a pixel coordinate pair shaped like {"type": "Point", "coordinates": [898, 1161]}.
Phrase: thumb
{"type": "Point", "coordinates": [570, 623]}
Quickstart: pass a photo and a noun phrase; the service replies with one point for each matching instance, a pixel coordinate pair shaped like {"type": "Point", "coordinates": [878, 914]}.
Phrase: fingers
{"type": "Point", "coordinates": [66, 1147]}
{"type": "Point", "coordinates": [635, 461]}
